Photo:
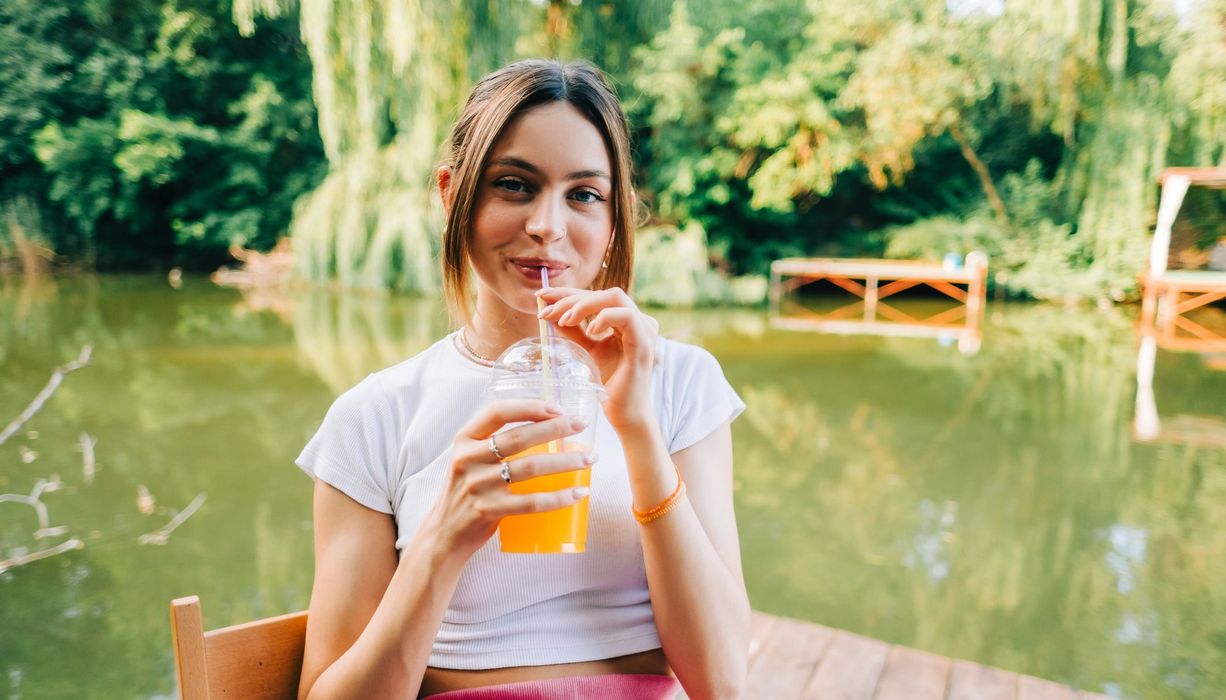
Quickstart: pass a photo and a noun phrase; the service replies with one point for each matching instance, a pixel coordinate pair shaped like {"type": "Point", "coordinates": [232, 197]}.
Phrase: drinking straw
{"type": "Point", "coordinates": [546, 333]}
{"type": "Point", "coordinates": [546, 350]}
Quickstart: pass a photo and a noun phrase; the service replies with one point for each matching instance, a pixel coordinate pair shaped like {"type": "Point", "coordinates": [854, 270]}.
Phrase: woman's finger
{"type": "Point", "coordinates": [532, 466]}
{"type": "Point", "coordinates": [521, 503]}
{"type": "Point", "coordinates": [516, 440]}
{"type": "Point", "coordinates": [553, 294]}
{"type": "Point", "coordinates": [492, 417]}
{"type": "Point", "coordinates": [556, 307]}
{"type": "Point", "coordinates": [576, 334]}
{"type": "Point", "coordinates": [622, 320]}
{"type": "Point", "coordinates": [591, 304]}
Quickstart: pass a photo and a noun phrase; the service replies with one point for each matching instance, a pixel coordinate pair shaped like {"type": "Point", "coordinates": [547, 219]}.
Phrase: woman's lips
{"type": "Point", "coordinates": [532, 268]}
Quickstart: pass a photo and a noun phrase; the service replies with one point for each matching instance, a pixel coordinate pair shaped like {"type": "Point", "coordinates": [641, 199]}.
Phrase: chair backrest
{"type": "Point", "coordinates": [259, 659]}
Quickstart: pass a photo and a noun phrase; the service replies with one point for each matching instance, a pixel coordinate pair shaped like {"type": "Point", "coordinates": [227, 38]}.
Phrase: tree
{"type": "Point", "coordinates": [873, 85]}
{"type": "Point", "coordinates": [154, 133]}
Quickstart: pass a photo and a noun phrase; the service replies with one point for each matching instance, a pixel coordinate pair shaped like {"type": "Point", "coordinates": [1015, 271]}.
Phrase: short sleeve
{"type": "Point", "coordinates": [355, 447]}
{"type": "Point", "coordinates": [701, 397]}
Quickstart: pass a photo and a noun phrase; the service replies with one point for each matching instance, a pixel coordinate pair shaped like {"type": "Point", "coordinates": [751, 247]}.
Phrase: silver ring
{"type": "Point", "coordinates": [495, 451]}
{"type": "Point", "coordinates": [506, 472]}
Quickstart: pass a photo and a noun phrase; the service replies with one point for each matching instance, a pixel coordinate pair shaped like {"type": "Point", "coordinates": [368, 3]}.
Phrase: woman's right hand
{"type": "Point", "coordinates": [475, 497]}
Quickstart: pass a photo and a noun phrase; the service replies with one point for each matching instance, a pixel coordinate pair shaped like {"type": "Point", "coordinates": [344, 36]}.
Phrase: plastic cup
{"type": "Point", "coordinates": [573, 383]}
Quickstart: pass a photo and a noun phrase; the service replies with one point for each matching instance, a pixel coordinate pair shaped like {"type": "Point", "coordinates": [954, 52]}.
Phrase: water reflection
{"type": "Point", "coordinates": [343, 337]}
{"type": "Point", "coordinates": [182, 397]}
{"type": "Point", "coordinates": [991, 507]}
{"type": "Point", "coordinates": [958, 504]}
{"type": "Point", "coordinates": [1183, 428]}
{"type": "Point", "coordinates": [924, 319]}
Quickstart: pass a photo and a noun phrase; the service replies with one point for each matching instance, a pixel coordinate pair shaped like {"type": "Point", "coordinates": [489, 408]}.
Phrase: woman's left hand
{"type": "Point", "coordinates": [622, 340]}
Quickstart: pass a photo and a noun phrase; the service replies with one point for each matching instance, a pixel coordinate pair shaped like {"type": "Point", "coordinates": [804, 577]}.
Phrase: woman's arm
{"type": "Point", "coordinates": [692, 554]}
{"type": "Point", "coordinates": [372, 619]}
{"type": "Point", "coordinates": [693, 559]}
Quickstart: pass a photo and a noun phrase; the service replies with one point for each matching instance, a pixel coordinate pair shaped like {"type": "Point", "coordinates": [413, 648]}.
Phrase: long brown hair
{"type": "Point", "coordinates": [495, 101]}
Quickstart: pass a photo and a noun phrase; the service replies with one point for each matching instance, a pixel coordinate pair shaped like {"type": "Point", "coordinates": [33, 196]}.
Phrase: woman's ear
{"type": "Point", "coordinates": [445, 191]}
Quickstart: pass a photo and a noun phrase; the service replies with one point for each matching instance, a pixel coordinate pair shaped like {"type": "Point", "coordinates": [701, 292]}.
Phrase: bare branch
{"type": "Point", "coordinates": [162, 536]}
{"type": "Point", "coordinates": [88, 467]}
{"type": "Point", "coordinates": [56, 377]}
{"type": "Point", "coordinates": [981, 170]}
{"type": "Point", "coordinates": [65, 546]}
{"type": "Point", "coordinates": [33, 500]}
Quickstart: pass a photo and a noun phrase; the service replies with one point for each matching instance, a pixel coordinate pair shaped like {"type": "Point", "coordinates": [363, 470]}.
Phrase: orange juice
{"type": "Point", "coordinates": [553, 532]}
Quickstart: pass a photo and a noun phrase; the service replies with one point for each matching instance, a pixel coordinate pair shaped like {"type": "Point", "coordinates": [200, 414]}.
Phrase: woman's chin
{"type": "Point", "coordinates": [521, 301]}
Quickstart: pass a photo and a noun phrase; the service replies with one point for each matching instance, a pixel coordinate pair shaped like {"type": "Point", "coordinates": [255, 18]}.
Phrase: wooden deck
{"type": "Point", "coordinates": [790, 660]}
{"type": "Point", "coordinates": [872, 281]}
{"type": "Point", "coordinates": [1163, 309]}
{"type": "Point", "coordinates": [901, 275]}
{"type": "Point", "coordinates": [1148, 424]}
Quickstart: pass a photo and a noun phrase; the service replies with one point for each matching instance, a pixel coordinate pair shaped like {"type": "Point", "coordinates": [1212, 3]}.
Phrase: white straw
{"type": "Point", "coordinates": [546, 349]}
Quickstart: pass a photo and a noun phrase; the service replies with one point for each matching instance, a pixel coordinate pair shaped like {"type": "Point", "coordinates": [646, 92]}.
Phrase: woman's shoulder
{"type": "Point", "coordinates": [680, 357]}
{"type": "Point", "coordinates": [438, 363]}
{"type": "Point", "coordinates": [682, 368]}
{"type": "Point", "coordinates": [694, 397]}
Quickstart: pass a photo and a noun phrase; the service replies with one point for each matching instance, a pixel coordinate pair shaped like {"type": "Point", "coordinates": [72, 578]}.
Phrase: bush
{"type": "Point", "coordinates": [672, 269]}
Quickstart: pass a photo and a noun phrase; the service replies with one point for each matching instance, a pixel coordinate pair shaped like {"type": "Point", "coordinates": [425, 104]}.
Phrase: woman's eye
{"type": "Point", "coordinates": [587, 197]}
{"type": "Point", "coordinates": [511, 184]}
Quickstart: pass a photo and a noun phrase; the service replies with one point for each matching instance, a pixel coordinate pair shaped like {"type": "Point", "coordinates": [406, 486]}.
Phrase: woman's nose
{"type": "Point", "coordinates": [547, 221]}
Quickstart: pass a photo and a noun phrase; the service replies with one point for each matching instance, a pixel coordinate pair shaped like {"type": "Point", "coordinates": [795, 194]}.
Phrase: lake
{"type": "Point", "coordinates": [992, 506]}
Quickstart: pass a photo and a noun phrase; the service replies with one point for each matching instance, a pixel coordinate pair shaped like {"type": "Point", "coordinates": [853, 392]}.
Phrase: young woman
{"type": "Point", "coordinates": [412, 596]}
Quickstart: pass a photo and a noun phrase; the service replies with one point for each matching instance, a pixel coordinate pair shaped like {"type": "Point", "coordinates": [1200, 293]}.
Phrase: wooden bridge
{"type": "Point", "coordinates": [788, 660]}
{"type": "Point", "coordinates": [872, 281]}
{"type": "Point", "coordinates": [1164, 307]}
{"type": "Point", "coordinates": [794, 660]}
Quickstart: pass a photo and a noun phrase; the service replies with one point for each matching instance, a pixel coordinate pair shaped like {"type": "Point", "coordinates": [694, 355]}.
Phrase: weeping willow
{"type": "Point", "coordinates": [1132, 87]}
{"type": "Point", "coordinates": [388, 77]}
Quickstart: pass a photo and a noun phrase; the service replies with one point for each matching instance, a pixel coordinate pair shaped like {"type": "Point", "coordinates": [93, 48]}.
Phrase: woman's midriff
{"type": "Point", "coordinates": [441, 680]}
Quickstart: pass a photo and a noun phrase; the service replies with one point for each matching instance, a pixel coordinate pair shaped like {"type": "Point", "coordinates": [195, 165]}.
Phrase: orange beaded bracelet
{"type": "Point", "coordinates": [659, 511]}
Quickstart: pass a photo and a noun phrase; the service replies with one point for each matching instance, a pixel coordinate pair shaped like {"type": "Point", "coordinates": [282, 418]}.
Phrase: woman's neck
{"type": "Point", "coordinates": [495, 326]}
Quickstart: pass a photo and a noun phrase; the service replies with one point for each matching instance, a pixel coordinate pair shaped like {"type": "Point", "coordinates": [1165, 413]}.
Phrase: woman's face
{"type": "Point", "coordinates": [545, 200]}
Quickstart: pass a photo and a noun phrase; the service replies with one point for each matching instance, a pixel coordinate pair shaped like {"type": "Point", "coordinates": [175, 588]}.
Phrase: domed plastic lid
{"type": "Point", "coordinates": [569, 367]}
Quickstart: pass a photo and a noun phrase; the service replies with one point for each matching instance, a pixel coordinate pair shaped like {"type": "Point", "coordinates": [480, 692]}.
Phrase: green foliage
{"type": "Point", "coordinates": [153, 133]}
{"type": "Point", "coordinates": [389, 78]}
{"type": "Point", "coordinates": [32, 73]}
{"type": "Point", "coordinates": [1202, 218]}
{"type": "Point", "coordinates": [932, 238]}
{"type": "Point", "coordinates": [1029, 256]}
{"type": "Point", "coordinates": [671, 269]}
{"type": "Point", "coordinates": [805, 145]}
{"type": "Point", "coordinates": [780, 152]}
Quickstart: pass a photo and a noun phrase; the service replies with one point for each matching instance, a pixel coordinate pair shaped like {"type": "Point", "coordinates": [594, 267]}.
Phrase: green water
{"type": "Point", "coordinates": [991, 506]}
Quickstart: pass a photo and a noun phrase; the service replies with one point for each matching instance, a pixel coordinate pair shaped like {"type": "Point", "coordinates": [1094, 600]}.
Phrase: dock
{"type": "Point", "coordinates": [1164, 307]}
{"type": "Point", "coordinates": [871, 281]}
{"type": "Point", "coordinates": [1191, 429]}
{"type": "Point", "coordinates": [793, 660]}
{"type": "Point", "coordinates": [1169, 296]}
{"type": "Point", "coordinates": [788, 660]}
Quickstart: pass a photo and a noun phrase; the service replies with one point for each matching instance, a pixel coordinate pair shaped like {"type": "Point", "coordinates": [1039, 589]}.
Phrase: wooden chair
{"type": "Point", "coordinates": [259, 659]}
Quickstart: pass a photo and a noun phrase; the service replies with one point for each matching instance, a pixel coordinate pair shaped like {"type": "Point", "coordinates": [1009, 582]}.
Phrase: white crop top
{"type": "Point", "coordinates": [386, 443]}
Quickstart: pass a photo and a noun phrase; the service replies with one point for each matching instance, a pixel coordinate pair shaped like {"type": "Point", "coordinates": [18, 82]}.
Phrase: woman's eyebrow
{"type": "Point", "coordinates": [525, 165]}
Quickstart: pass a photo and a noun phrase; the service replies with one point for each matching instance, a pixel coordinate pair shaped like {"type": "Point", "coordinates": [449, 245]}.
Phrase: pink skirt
{"type": "Point", "coordinates": [623, 686]}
